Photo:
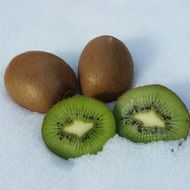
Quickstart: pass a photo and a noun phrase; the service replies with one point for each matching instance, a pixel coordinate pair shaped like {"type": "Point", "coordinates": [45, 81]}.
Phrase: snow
{"type": "Point", "coordinates": [157, 34]}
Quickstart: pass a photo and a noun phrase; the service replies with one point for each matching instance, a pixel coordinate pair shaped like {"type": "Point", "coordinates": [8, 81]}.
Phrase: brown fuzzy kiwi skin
{"type": "Point", "coordinates": [37, 80]}
{"type": "Point", "coordinates": [105, 68]}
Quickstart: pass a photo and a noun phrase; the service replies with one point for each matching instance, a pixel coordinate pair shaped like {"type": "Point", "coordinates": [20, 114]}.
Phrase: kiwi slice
{"type": "Point", "coordinates": [77, 126]}
{"type": "Point", "coordinates": [151, 113]}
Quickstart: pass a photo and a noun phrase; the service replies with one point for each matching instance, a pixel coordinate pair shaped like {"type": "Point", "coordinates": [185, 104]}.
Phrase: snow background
{"type": "Point", "coordinates": [157, 34]}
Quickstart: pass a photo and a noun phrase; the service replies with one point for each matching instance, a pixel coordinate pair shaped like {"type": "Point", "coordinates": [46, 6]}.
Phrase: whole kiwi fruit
{"type": "Point", "coordinates": [105, 68]}
{"type": "Point", "coordinates": [151, 113]}
{"type": "Point", "coordinates": [76, 126]}
{"type": "Point", "coordinates": [37, 80]}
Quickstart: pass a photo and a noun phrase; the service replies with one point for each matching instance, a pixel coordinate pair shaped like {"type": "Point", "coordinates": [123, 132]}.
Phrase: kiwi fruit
{"type": "Point", "coordinates": [105, 68]}
{"type": "Point", "coordinates": [76, 126]}
{"type": "Point", "coordinates": [151, 113]}
{"type": "Point", "coordinates": [37, 80]}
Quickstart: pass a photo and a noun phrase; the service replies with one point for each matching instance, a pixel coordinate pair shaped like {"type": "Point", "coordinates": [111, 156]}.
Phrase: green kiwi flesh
{"type": "Point", "coordinates": [151, 113]}
{"type": "Point", "coordinates": [77, 126]}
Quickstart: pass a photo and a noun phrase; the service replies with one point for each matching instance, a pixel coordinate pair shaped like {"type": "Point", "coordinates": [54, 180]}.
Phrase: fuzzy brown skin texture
{"type": "Point", "coordinates": [37, 80]}
{"type": "Point", "coordinates": [105, 68]}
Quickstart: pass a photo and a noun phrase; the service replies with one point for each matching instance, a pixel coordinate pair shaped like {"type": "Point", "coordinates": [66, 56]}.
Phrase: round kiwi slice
{"type": "Point", "coordinates": [77, 126]}
{"type": "Point", "coordinates": [151, 113]}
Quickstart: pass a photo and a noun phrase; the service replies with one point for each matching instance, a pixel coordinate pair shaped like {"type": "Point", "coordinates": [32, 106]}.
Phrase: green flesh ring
{"type": "Point", "coordinates": [77, 126]}
{"type": "Point", "coordinates": [151, 113]}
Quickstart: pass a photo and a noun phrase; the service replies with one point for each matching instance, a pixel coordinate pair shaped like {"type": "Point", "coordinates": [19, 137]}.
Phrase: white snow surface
{"type": "Point", "coordinates": [157, 34]}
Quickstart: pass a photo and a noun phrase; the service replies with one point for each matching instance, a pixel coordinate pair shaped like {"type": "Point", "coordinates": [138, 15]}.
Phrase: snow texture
{"type": "Point", "coordinates": [157, 34]}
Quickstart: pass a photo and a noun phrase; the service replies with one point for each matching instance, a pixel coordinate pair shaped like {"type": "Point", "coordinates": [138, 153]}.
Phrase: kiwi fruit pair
{"type": "Point", "coordinates": [81, 125]}
{"type": "Point", "coordinates": [37, 80]}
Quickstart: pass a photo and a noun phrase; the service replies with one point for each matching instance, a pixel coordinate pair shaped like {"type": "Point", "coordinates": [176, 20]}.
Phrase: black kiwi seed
{"type": "Point", "coordinates": [139, 129]}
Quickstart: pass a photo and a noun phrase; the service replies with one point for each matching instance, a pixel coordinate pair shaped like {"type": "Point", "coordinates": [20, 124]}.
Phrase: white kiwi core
{"type": "Point", "coordinates": [78, 127]}
{"type": "Point", "coordinates": [149, 119]}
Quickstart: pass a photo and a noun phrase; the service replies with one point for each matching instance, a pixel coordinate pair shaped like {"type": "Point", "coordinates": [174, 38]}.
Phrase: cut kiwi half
{"type": "Point", "coordinates": [78, 126]}
{"type": "Point", "coordinates": [151, 113]}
